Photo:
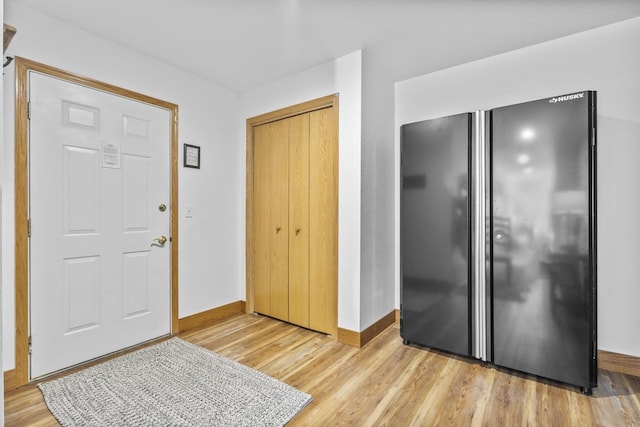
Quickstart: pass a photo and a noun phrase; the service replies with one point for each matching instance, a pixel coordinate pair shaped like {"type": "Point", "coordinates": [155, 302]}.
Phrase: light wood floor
{"type": "Point", "coordinates": [388, 383]}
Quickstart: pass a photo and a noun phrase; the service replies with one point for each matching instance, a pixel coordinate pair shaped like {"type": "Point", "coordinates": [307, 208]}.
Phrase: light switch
{"type": "Point", "coordinates": [188, 211]}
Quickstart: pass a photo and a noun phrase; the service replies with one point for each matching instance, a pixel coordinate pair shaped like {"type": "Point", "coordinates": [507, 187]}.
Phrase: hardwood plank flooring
{"type": "Point", "coordinates": [386, 383]}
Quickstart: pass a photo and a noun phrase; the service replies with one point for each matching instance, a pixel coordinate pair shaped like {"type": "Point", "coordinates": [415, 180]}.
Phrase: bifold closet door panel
{"type": "Point", "coordinates": [323, 224]}
{"type": "Point", "coordinates": [262, 229]}
{"type": "Point", "coordinates": [299, 220]}
{"type": "Point", "coordinates": [280, 220]}
{"type": "Point", "coordinates": [435, 233]}
{"type": "Point", "coordinates": [271, 219]}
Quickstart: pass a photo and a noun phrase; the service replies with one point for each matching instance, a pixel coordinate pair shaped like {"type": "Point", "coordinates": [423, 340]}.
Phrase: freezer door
{"type": "Point", "coordinates": [435, 233]}
{"type": "Point", "coordinates": [541, 249]}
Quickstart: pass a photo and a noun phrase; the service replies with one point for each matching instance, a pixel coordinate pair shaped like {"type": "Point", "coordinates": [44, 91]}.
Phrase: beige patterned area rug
{"type": "Point", "coordinates": [173, 383]}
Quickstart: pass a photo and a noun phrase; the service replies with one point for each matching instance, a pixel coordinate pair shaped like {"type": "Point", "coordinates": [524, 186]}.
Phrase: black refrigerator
{"type": "Point", "coordinates": [498, 236]}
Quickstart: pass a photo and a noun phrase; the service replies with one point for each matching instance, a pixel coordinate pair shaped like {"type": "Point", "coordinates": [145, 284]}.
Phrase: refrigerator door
{"type": "Point", "coordinates": [435, 233]}
{"type": "Point", "coordinates": [542, 239]}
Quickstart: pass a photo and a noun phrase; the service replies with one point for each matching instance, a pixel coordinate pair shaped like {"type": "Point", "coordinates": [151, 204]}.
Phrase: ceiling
{"type": "Point", "coordinates": [242, 44]}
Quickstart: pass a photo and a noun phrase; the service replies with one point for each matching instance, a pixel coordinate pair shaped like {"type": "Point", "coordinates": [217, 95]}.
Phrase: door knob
{"type": "Point", "coordinates": [162, 240]}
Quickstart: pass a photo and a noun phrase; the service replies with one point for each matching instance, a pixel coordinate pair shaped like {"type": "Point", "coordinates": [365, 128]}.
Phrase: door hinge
{"type": "Point", "coordinates": [29, 110]}
{"type": "Point", "coordinates": [29, 344]}
{"type": "Point", "coordinates": [29, 228]}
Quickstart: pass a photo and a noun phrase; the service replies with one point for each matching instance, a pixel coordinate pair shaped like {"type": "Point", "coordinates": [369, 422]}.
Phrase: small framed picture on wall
{"type": "Point", "coordinates": [191, 156]}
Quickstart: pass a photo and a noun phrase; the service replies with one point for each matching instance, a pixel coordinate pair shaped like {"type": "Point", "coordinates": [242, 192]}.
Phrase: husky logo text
{"type": "Point", "coordinates": [567, 98]}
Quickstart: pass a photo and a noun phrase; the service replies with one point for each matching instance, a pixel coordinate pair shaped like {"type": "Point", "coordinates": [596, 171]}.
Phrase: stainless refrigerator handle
{"type": "Point", "coordinates": [479, 236]}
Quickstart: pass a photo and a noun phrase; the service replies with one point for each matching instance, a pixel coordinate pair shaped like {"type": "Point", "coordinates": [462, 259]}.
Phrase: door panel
{"type": "Point", "coordinates": [540, 238]}
{"type": "Point", "coordinates": [135, 186]}
{"type": "Point", "coordinates": [81, 190]}
{"type": "Point", "coordinates": [434, 233]}
{"type": "Point", "coordinates": [280, 219]}
{"type": "Point", "coordinates": [271, 219]}
{"type": "Point", "coordinates": [323, 224]}
{"type": "Point", "coordinates": [262, 220]}
{"type": "Point", "coordinates": [95, 187]}
{"type": "Point", "coordinates": [81, 293]}
{"type": "Point", "coordinates": [136, 283]}
{"type": "Point", "coordinates": [299, 220]}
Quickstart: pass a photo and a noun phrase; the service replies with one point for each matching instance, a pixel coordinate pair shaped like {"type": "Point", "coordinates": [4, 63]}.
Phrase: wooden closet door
{"type": "Point", "coordinates": [294, 208]}
{"type": "Point", "coordinates": [271, 245]}
{"type": "Point", "coordinates": [280, 219]}
{"type": "Point", "coordinates": [262, 220]}
{"type": "Point", "coordinates": [299, 220]}
{"type": "Point", "coordinates": [323, 220]}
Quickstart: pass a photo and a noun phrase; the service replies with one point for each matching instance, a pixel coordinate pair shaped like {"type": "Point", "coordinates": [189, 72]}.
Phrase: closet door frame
{"type": "Point", "coordinates": [330, 101]}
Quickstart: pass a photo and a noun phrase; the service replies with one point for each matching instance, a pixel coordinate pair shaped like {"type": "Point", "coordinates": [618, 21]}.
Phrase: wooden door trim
{"type": "Point", "coordinates": [330, 101]}
{"type": "Point", "coordinates": [23, 67]}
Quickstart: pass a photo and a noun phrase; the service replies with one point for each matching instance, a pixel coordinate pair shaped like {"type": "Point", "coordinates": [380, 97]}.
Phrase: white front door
{"type": "Point", "coordinates": [99, 175]}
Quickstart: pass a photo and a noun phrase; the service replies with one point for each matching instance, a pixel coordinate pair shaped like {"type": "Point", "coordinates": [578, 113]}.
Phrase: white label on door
{"type": "Point", "coordinates": [111, 155]}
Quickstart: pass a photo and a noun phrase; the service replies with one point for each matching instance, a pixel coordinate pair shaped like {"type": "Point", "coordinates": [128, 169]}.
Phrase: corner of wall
{"type": "Point", "coordinates": [377, 289]}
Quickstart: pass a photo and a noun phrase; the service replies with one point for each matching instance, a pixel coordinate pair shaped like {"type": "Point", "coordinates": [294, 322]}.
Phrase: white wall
{"type": "Point", "coordinates": [342, 76]}
{"type": "Point", "coordinates": [378, 192]}
{"type": "Point", "coordinates": [606, 59]}
{"type": "Point", "coordinates": [210, 242]}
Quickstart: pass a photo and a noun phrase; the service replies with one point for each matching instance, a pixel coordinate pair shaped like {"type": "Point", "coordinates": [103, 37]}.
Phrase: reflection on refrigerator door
{"type": "Point", "coordinates": [540, 186]}
{"type": "Point", "coordinates": [435, 238]}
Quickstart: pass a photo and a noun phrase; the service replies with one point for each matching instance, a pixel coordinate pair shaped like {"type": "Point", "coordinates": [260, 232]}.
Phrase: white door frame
{"type": "Point", "coordinates": [23, 67]}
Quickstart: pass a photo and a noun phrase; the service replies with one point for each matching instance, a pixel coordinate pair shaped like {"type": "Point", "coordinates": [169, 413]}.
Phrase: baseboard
{"type": "Point", "coordinates": [210, 316]}
{"type": "Point", "coordinates": [349, 337]}
{"type": "Point", "coordinates": [617, 362]}
{"type": "Point", "coordinates": [377, 328]}
{"type": "Point", "coordinates": [360, 339]}
{"type": "Point", "coordinates": [10, 380]}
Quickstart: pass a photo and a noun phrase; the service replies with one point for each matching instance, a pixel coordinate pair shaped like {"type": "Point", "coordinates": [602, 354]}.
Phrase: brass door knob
{"type": "Point", "coordinates": [161, 240]}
